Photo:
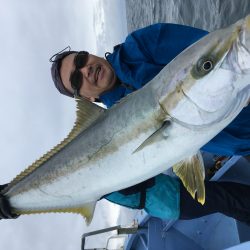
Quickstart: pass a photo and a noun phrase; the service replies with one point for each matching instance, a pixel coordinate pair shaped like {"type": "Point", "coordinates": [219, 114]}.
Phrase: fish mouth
{"type": "Point", "coordinates": [244, 34]}
{"type": "Point", "coordinates": [237, 58]}
{"type": "Point", "coordinates": [247, 24]}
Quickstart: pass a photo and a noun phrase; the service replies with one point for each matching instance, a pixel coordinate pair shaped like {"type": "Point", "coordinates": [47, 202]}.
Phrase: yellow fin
{"type": "Point", "coordinates": [191, 172]}
{"type": "Point", "coordinates": [86, 113]}
{"type": "Point", "coordinates": [87, 211]}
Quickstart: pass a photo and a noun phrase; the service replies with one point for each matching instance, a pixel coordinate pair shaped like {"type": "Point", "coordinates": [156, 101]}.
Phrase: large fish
{"type": "Point", "coordinates": [164, 124]}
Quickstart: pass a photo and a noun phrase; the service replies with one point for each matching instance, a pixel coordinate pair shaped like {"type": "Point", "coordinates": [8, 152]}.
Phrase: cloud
{"type": "Point", "coordinates": [109, 26]}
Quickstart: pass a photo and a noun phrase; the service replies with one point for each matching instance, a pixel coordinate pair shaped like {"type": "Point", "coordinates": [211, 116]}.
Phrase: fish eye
{"type": "Point", "coordinates": [203, 67]}
{"type": "Point", "coordinates": [207, 65]}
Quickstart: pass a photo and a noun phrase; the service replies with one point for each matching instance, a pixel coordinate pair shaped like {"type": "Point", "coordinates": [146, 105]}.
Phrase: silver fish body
{"type": "Point", "coordinates": [190, 101]}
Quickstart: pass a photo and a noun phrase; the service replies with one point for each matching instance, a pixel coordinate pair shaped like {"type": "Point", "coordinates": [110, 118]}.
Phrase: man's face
{"type": "Point", "coordinates": [98, 76]}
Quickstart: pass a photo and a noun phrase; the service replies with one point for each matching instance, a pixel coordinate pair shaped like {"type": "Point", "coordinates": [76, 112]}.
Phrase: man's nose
{"type": "Point", "coordinates": [87, 72]}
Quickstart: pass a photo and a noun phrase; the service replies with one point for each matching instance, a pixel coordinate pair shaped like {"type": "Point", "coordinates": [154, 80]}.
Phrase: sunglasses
{"type": "Point", "coordinates": [76, 77]}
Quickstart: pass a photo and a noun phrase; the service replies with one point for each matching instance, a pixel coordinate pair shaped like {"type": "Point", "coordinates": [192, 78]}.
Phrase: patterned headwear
{"type": "Point", "coordinates": [55, 70]}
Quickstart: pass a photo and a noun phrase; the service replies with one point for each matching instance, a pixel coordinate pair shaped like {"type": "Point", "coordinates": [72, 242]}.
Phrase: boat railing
{"type": "Point", "coordinates": [121, 234]}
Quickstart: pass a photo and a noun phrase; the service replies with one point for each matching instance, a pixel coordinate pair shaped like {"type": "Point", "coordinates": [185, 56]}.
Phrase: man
{"type": "Point", "coordinates": [132, 64]}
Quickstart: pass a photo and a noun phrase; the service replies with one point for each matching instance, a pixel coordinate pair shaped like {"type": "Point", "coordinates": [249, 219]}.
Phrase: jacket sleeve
{"type": "Point", "coordinates": [134, 196]}
{"type": "Point", "coordinates": [162, 42]}
{"type": "Point", "coordinates": [130, 201]}
{"type": "Point", "coordinates": [162, 199]}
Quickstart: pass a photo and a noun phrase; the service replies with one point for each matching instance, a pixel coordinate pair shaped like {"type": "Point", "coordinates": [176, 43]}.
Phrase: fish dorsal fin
{"type": "Point", "coordinates": [86, 211]}
{"type": "Point", "coordinates": [86, 113]}
{"type": "Point", "coordinates": [192, 173]}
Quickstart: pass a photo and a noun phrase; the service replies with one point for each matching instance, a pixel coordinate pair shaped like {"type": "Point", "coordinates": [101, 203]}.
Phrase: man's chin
{"type": "Point", "coordinates": [105, 86]}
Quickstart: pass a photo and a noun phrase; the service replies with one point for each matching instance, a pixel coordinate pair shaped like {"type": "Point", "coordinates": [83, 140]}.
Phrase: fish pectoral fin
{"type": "Point", "coordinates": [158, 135]}
{"type": "Point", "coordinates": [192, 174]}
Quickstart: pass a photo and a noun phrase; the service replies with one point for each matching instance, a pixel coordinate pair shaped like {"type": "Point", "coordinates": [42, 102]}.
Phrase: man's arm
{"type": "Point", "coordinates": [162, 42]}
{"type": "Point", "coordinates": [5, 210]}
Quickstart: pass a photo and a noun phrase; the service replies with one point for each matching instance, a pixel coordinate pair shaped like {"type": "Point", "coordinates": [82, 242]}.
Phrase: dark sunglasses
{"type": "Point", "coordinates": [76, 77]}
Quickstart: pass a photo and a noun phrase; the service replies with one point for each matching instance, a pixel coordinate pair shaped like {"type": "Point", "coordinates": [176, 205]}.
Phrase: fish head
{"type": "Point", "coordinates": [209, 82]}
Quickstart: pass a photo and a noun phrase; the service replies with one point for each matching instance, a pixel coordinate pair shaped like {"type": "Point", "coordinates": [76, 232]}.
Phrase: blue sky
{"type": "Point", "coordinates": [34, 117]}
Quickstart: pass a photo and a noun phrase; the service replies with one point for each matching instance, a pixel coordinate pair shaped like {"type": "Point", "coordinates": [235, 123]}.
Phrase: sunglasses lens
{"type": "Point", "coordinates": [76, 80]}
{"type": "Point", "coordinates": [81, 59]}
{"type": "Point", "coordinates": [76, 77]}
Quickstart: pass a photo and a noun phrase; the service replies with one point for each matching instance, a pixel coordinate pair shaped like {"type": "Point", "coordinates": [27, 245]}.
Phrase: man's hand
{"type": "Point", "coordinates": [5, 210]}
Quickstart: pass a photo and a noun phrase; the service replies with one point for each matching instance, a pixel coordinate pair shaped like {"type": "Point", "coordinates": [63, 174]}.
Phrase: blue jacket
{"type": "Point", "coordinates": [136, 61]}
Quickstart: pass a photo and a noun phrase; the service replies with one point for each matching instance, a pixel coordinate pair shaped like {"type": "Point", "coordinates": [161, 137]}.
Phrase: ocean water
{"type": "Point", "coordinates": [205, 14]}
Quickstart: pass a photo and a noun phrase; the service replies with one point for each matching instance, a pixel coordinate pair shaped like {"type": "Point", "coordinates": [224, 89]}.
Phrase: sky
{"type": "Point", "coordinates": [34, 116]}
